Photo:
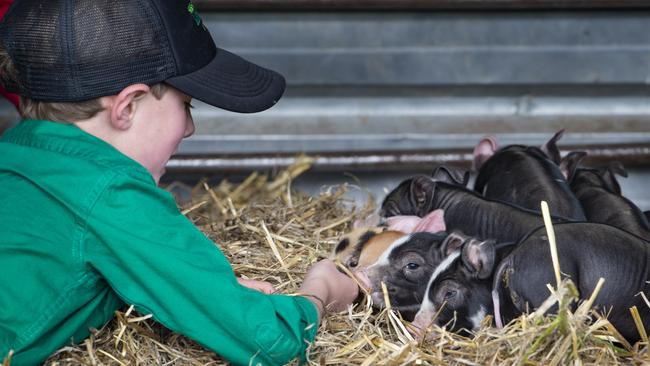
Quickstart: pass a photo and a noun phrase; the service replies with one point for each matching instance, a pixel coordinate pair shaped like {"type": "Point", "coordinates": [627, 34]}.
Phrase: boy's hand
{"type": "Point", "coordinates": [261, 286]}
{"type": "Point", "coordinates": [325, 281]}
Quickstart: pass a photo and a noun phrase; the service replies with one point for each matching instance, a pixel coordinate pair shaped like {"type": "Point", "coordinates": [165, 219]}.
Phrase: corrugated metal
{"type": "Point", "coordinates": [394, 82]}
{"type": "Point", "coordinates": [396, 49]}
{"type": "Point", "coordinates": [365, 5]}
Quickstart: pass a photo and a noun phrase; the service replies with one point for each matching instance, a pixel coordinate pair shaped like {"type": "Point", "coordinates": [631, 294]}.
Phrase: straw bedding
{"type": "Point", "coordinates": [270, 232]}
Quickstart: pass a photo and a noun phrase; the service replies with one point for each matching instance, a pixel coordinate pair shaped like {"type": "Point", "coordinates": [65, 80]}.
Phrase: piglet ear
{"type": "Point", "coordinates": [403, 223]}
{"type": "Point", "coordinates": [478, 257]}
{"type": "Point", "coordinates": [450, 175]}
{"type": "Point", "coordinates": [420, 191]}
{"type": "Point", "coordinates": [608, 176]}
{"type": "Point", "coordinates": [484, 150]}
{"type": "Point", "coordinates": [372, 220]}
{"type": "Point", "coordinates": [453, 242]}
{"type": "Point", "coordinates": [550, 147]}
{"type": "Point", "coordinates": [617, 167]}
{"type": "Point", "coordinates": [433, 222]}
{"type": "Point", "coordinates": [569, 163]}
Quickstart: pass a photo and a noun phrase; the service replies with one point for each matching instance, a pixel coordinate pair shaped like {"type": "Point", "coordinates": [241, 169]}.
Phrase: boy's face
{"type": "Point", "coordinates": [161, 125]}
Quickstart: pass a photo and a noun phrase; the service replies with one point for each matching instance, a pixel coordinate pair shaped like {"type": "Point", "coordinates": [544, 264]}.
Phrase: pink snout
{"type": "Point", "coordinates": [363, 278]}
{"type": "Point", "coordinates": [423, 319]}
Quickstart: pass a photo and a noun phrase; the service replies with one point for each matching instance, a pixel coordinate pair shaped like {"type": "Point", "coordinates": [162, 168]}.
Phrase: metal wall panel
{"type": "Point", "coordinates": [443, 48]}
{"type": "Point", "coordinates": [390, 84]}
{"type": "Point", "coordinates": [410, 5]}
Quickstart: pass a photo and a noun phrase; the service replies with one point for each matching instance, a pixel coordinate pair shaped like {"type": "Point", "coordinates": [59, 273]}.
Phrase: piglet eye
{"type": "Point", "coordinates": [412, 266]}
{"type": "Point", "coordinates": [450, 294]}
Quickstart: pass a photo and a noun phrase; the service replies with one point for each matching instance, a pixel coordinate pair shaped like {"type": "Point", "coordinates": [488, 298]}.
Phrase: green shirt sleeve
{"type": "Point", "coordinates": [157, 260]}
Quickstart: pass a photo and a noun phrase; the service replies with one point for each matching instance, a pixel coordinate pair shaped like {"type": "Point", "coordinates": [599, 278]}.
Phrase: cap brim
{"type": "Point", "coordinates": [232, 83]}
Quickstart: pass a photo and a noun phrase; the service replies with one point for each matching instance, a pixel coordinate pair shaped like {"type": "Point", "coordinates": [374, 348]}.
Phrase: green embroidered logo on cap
{"type": "Point", "coordinates": [194, 14]}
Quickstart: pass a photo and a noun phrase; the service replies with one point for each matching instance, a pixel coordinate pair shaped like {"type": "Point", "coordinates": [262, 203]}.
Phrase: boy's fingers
{"type": "Point", "coordinates": [262, 286]}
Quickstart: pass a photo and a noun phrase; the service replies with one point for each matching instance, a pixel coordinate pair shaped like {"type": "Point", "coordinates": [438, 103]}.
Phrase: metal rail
{"type": "Point", "coordinates": [412, 5]}
{"type": "Point", "coordinates": [629, 155]}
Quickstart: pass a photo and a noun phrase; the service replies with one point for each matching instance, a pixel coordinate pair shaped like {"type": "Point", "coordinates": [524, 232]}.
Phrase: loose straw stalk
{"type": "Point", "coordinates": [551, 241]}
{"type": "Point", "coordinates": [563, 302]}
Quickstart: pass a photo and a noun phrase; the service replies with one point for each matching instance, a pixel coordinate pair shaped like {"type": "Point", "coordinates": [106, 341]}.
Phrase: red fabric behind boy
{"type": "Point", "coordinates": [13, 98]}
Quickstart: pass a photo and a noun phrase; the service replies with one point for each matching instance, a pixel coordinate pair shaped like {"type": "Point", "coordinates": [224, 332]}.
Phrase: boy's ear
{"type": "Point", "coordinates": [123, 106]}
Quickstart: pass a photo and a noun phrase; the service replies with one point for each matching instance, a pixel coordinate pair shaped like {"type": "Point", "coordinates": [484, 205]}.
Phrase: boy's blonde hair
{"type": "Point", "coordinates": [56, 111]}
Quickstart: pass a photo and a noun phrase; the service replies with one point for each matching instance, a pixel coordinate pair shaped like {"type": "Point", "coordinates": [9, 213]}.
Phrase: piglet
{"type": "Point", "coordinates": [405, 268]}
{"type": "Point", "coordinates": [526, 175]}
{"type": "Point", "coordinates": [363, 245]}
{"type": "Point", "coordinates": [600, 195]}
{"type": "Point", "coordinates": [464, 210]}
{"type": "Point", "coordinates": [458, 294]}
{"type": "Point", "coordinates": [587, 251]}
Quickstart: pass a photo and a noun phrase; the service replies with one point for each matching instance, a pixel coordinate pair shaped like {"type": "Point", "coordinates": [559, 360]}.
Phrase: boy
{"type": "Point", "coordinates": [105, 94]}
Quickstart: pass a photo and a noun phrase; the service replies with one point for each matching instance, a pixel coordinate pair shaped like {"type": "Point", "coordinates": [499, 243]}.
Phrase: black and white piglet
{"type": "Point", "coordinates": [405, 267]}
{"type": "Point", "coordinates": [459, 292]}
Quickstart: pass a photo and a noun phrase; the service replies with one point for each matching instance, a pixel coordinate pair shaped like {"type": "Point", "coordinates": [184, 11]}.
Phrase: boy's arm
{"type": "Point", "coordinates": [157, 260]}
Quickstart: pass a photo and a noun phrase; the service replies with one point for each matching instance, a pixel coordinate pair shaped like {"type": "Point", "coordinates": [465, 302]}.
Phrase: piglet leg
{"type": "Point", "coordinates": [497, 309]}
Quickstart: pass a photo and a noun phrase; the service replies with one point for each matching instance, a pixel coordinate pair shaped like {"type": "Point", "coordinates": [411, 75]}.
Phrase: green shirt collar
{"type": "Point", "coordinates": [68, 139]}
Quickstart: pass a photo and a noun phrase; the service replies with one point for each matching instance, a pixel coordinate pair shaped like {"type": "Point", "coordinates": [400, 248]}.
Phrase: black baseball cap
{"type": "Point", "coordinates": [76, 50]}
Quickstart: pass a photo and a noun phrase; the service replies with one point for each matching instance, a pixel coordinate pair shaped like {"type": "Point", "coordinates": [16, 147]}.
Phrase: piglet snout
{"type": "Point", "coordinates": [423, 319]}
{"type": "Point", "coordinates": [363, 278]}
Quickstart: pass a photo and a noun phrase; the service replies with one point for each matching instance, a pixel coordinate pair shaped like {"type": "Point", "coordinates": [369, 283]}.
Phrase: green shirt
{"type": "Point", "coordinates": [84, 230]}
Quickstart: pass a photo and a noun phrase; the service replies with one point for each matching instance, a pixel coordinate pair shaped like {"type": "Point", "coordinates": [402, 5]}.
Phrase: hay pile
{"type": "Point", "coordinates": [269, 232]}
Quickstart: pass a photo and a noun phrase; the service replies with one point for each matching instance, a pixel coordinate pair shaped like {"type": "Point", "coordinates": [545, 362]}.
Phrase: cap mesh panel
{"type": "Point", "coordinates": [103, 47]}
